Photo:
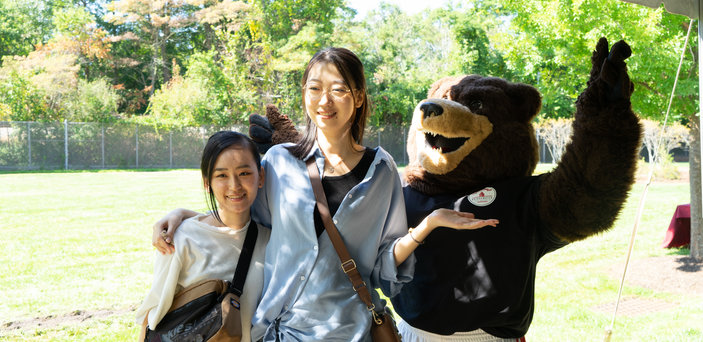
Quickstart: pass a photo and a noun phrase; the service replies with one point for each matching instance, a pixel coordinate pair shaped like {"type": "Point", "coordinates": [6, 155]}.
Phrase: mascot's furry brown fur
{"type": "Point", "coordinates": [472, 148]}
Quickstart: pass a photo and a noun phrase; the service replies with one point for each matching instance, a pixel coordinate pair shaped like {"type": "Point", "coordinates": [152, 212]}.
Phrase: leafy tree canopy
{"type": "Point", "coordinates": [239, 56]}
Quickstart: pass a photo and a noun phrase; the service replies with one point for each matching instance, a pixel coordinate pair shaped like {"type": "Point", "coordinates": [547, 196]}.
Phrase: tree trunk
{"type": "Point", "coordinates": [694, 163]}
{"type": "Point", "coordinates": [209, 41]}
{"type": "Point", "coordinates": [165, 63]}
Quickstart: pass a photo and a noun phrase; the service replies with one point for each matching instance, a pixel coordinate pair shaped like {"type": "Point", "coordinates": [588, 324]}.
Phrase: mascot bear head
{"type": "Point", "coordinates": [471, 131]}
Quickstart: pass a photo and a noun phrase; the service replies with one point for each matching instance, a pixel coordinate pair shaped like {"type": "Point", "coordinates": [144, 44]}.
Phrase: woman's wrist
{"type": "Point", "coordinates": [410, 232]}
{"type": "Point", "coordinates": [420, 233]}
{"type": "Point", "coordinates": [407, 244]}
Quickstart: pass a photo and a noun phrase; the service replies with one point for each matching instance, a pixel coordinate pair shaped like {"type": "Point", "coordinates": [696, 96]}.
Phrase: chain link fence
{"type": "Point", "coordinates": [81, 146]}
{"type": "Point", "coordinates": [78, 145]}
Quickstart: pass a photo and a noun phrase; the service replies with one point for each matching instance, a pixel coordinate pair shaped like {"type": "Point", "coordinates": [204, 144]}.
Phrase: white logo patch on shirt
{"type": "Point", "coordinates": [483, 197]}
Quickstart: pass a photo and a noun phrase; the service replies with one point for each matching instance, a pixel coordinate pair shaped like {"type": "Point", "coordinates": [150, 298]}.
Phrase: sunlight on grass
{"type": "Point", "coordinates": [82, 242]}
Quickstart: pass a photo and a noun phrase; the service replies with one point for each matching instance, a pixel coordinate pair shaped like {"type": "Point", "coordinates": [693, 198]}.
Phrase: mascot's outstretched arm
{"type": "Point", "coordinates": [589, 186]}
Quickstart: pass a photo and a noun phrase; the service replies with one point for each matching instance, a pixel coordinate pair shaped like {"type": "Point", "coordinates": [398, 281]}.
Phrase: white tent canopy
{"type": "Point", "coordinates": [688, 8]}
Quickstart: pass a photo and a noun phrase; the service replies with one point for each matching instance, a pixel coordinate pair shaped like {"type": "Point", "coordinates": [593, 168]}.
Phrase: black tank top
{"type": "Point", "coordinates": [337, 187]}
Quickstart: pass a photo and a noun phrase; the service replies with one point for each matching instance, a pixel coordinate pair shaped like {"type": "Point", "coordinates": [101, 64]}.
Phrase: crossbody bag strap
{"type": "Point", "coordinates": [240, 273]}
{"type": "Point", "coordinates": [348, 264]}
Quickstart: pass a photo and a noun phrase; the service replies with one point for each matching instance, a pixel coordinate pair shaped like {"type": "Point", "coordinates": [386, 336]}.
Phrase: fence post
{"type": "Point", "coordinates": [102, 143]}
{"type": "Point", "coordinates": [136, 136]}
{"type": "Point", "coordinates": [170, 149]}
{"type": "Point", "coordinates": [405, 148]}
{"type": "Point", "coordinates": [65, 143]}
{"type": "Point", "coordinates": [29, 143]}
{"type": "Point", "coordinates": [544, 150]}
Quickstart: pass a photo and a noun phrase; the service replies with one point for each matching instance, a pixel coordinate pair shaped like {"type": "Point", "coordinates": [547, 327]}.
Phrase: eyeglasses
{"type": "Point", "coordinates": [314, 92]}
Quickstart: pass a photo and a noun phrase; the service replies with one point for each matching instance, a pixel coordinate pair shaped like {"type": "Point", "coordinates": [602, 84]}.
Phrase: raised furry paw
{"type": "Point", "coordinates": [609, 81]}
{"type": "Point", "coordinates": [283, 129]}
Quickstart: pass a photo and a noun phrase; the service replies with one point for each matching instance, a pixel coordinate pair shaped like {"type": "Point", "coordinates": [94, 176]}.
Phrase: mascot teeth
{"type": "Point", "coordinates": [442, 143]}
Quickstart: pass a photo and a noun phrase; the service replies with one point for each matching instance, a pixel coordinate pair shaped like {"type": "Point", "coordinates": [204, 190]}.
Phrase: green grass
{"type": "Point", "coordinates": [81, 242]}
{"type": "Point", "coordinates": [572, 281]}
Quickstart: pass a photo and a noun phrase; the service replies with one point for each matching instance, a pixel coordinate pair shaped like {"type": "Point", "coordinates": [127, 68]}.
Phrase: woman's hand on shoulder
{"type": "Point", "coordinates": [163, 229]}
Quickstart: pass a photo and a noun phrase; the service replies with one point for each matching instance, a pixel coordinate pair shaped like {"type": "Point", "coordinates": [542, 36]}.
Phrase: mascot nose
{"type": "Point", "coordinates": [430, 109]}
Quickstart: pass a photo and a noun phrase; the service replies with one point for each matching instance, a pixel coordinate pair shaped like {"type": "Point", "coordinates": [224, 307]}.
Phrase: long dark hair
{"type": "Point", "coordinates": [216, 144]}
{"type": "Point", "coordinates": [349, 65]}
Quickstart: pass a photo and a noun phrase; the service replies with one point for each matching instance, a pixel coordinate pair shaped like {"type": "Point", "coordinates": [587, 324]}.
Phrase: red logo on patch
{"type": "Point", "coordinates": [483, 197]}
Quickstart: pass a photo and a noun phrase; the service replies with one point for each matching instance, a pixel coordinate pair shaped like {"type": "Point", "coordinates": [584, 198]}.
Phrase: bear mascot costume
{"type": "Point", "coordinates": [472, 148]}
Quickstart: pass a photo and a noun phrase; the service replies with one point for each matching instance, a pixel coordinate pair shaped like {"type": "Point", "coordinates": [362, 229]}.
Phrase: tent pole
{"type": "Point", "coordinates": [694, 247]}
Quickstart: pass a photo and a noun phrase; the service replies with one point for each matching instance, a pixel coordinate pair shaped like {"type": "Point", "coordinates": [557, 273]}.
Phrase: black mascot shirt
{"type": "Point", "coordinates": [484, 278]}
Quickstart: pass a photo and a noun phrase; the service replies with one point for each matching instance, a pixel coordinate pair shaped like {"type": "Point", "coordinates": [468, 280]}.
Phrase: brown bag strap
{"type": "Point", "coordinates": [348, 264]}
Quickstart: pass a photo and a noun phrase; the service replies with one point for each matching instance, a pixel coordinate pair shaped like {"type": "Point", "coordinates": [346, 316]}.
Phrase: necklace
{"type": "Point", "coordinates": [335, 168]}
{"type": "Point", "coordinates": [331, 168]}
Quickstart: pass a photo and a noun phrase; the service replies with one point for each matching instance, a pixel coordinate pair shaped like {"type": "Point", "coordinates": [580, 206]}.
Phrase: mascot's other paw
{"type": "Point", "coordinates": [260, 131]}
{"type": "Point", "coordinates": [283, 128]}
{"type": "Point", "coordinates": [609, 81]}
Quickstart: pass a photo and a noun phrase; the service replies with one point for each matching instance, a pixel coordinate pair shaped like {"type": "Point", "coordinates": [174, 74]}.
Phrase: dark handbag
{"type": "Point", "coordinates": [207, 310]}
{"type": "Point", "coordinates": [383, 328]}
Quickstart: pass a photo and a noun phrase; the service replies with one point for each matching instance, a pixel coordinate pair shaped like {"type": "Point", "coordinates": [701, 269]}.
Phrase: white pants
{"type": "Point", "coordinates": [411, 334]}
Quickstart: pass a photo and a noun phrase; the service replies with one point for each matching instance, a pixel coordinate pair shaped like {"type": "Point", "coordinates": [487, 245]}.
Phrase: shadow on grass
{"type": "Point", "coordinates": [686, 262]}
{"type": "Point", "coordinates": [689, 264]}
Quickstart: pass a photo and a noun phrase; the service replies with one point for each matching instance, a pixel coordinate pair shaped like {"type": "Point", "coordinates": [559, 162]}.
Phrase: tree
{"type": "Point", "coordinates": [93, 101]}
{"type": "Point", "coordinates": [676, 135]}
{"type": "Point", "coordinates": [219, 18]}
{"type": "Point", "coordinates": [556, 133]}
{"type": "Point", "coordinates": [472, 27]}
{"type": "Point", "coordinates": [264, 55]}
{"type": "Point", "coordinates": [181, 103]}
{"type": "Point", "coordinates": [24, 24]}
{"type": "Point", "coordinates": [650, 139]}
{"type": "Point", "coordinates": [78, 33]}
{"type": "Point", "coordinates": [283, 19]}
{"type": "Point", "coordinates": [670, 137]}
{"type": "Point", "coordinates": [37, 87]}
{"type": "Point", "coordinates": [46, 84]}
{"type": "Point", "coordinates": [292, 32]}
{"type": "Point", "coordinates": [402, 56]}
{"type": "Point", "coordinates": [550, 42]}
{"type": "Point", "coordinates": [150, 34]}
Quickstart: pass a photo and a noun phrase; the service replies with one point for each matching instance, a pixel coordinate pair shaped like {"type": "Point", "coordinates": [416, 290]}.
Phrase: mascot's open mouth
{"type": "Point", "coordinates": [442, 143]}
{"type": "Point", "coordinates": [450, 132]}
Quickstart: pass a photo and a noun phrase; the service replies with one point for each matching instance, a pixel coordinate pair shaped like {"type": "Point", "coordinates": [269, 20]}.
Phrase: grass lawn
{"type": "Point", "coordinates": [77, 260]}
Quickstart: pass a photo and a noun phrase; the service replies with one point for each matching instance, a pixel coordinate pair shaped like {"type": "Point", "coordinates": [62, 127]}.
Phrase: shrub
{"type": "Point", "coordinates": [184, 102]}
{"type": "Point", "coordinates": [94, 101]}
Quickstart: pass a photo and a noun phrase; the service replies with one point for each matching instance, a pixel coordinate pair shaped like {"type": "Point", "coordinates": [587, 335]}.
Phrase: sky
{"type": "Point", "coordinates": [408, 6]}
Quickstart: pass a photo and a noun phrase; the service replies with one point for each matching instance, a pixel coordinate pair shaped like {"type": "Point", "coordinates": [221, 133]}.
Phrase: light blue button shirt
{"type": "Point", "coordinates": [306, 293]}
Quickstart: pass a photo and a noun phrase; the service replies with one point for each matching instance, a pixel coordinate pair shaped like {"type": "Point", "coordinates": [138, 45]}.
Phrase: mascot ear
{"type": "Point", "coordinates": [441, 89]}
{"type": "Point", "coordinates": [527, 100]}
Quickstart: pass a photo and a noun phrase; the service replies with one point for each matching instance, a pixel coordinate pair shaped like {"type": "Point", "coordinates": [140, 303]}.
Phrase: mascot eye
{"type": "Point", "coordinates": [475, 105]}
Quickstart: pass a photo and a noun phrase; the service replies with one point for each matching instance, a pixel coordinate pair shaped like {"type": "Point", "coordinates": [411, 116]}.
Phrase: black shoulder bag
{"type": "Point", "coordinates": [207, 310]}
